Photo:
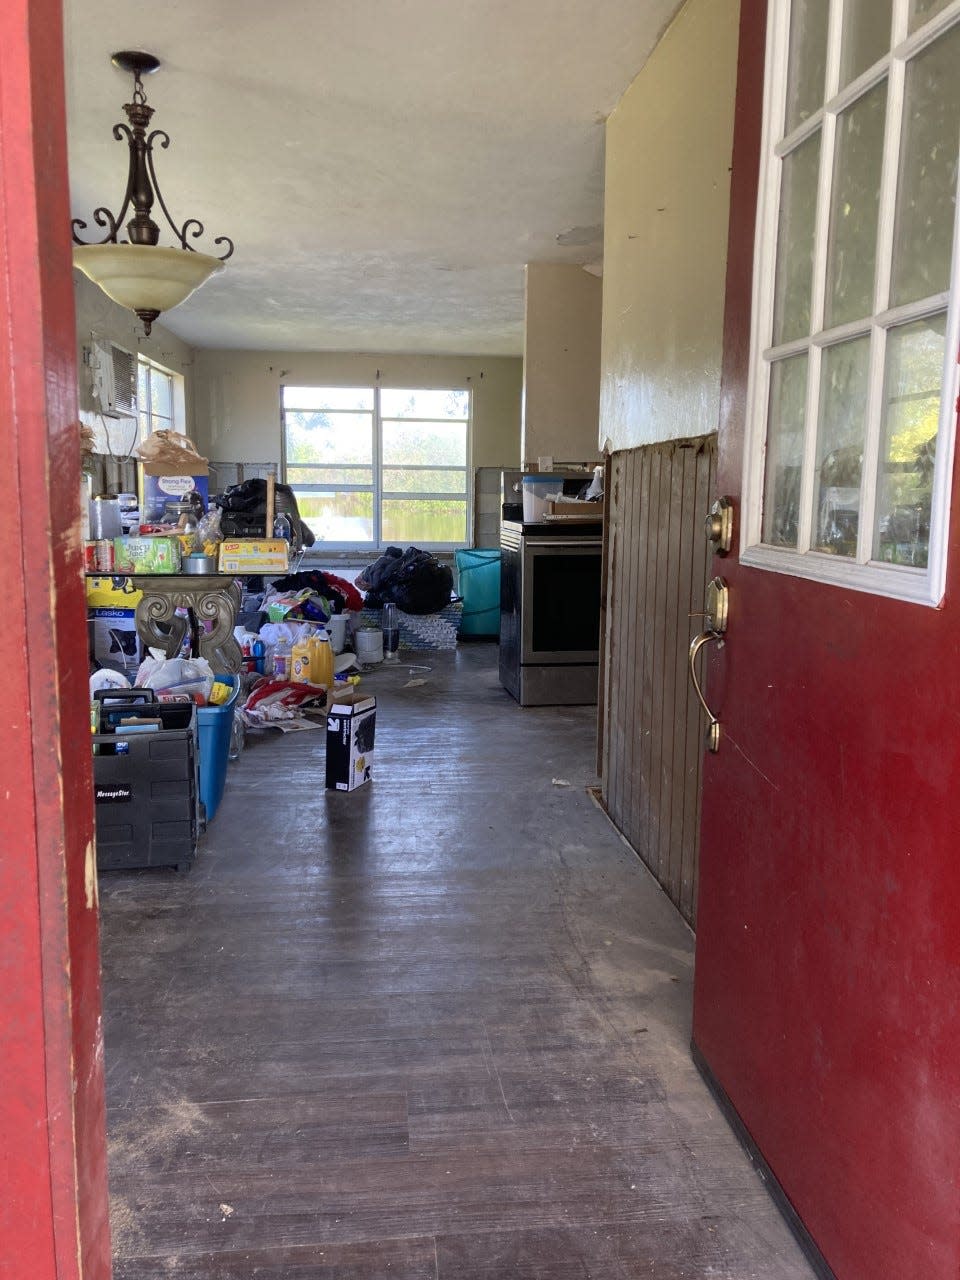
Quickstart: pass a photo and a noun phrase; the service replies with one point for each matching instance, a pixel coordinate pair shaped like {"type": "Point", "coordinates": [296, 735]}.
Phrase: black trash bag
{"type": "Point", "coordinates": [413, 580]}
{"type": "Point", "coordinates": [243, 510]}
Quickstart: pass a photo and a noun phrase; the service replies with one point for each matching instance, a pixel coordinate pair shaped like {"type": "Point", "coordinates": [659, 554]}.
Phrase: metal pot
{"type": "Point", "coordinates": [198, 564]}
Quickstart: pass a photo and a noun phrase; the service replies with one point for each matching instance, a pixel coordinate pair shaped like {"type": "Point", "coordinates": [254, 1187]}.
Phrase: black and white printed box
{"type": "Point", "coordinates": [351, 723]}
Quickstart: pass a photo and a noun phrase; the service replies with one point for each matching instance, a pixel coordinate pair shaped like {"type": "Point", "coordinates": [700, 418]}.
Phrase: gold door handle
{"type": "Point", "coordinates": [713, 727]}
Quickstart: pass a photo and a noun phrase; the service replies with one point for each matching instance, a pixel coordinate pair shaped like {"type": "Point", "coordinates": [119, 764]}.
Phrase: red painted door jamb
{"type": "Point", "coordinates": [53, 1188]}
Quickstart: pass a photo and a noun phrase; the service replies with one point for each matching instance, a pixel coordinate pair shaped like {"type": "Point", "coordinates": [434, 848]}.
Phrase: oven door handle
{"type": "Point", "coordinates": [588, 544]}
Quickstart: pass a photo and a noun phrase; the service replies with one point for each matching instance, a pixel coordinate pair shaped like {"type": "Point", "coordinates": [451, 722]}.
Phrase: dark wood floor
{"type": "Point", "coordinates": [436, 1029]}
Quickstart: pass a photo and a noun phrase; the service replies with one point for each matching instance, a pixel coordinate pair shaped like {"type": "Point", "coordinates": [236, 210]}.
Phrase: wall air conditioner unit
{"type": "Point", "coordinates": [113, 380]}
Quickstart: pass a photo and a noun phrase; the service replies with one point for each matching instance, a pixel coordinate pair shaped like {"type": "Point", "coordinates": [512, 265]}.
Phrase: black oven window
{"type": "Point", "coordinates": [566, 603]}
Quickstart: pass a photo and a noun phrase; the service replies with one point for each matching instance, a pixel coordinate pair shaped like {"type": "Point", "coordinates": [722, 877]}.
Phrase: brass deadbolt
{"type": "Point", "coordinates": [718, 526]}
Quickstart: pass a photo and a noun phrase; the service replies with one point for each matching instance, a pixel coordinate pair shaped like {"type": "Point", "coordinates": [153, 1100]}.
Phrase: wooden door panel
{"type": "Point", "coordinates": [656, 574]}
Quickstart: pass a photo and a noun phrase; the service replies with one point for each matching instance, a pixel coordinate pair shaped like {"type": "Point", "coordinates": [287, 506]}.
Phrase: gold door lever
{"type": "Point", "coordinates": [713, 726]}
{"type": "Point", "coordinates": [716, 612]}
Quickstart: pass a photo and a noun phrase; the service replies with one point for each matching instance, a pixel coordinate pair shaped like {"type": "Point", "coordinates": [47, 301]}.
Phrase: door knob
{"type": "Point", "coordinates": [715, 614]}
{"type": "Point", "coordinates": [718, 526]}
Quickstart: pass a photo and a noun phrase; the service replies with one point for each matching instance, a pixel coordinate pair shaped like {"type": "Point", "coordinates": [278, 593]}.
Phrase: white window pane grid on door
{"type": "Point", "coordinates": [807, 61]}
{"type": "Point", "coordinates": [868, 137]}
{"type": "Point", "coordinates": [866, 36]}
{"type": "Point", "coordinates": [784, 461]}
{"type": "Point", "coordinates": [926, 190]}
{"type": "Point", "coordinates": [844, 369]}
{"type": "Point", "coordinates": [380, 465]}
{"type": "Point", "coordinates": [908, 443]}
{"type": "Point", "coordinates": [855, 207]}
{"type": "Point", "coordinates": [796, 239]}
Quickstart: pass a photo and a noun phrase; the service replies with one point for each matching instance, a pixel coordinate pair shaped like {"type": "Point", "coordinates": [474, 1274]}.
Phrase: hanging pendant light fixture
{"type": "Point", "coordinates": [139, 274]}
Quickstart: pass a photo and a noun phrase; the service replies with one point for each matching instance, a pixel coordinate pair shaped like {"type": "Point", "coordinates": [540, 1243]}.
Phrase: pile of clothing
{"type": "Point", "coordinates": [323, 594]}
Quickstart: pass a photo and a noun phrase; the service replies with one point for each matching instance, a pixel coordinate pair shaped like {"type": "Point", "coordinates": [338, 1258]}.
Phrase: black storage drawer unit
{"type": "Point", "coordinates": [146, 796]}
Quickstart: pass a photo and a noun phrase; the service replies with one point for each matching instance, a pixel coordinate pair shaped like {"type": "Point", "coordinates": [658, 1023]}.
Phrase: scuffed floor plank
{"type": "Point", "coordinates": [436, 1029]}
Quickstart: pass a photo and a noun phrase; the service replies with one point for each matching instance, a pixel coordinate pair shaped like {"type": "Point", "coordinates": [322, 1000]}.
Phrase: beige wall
{"type": "Point", "coordinates": [237, 396]}
{"type": "Point", "coordinates": [668, 149]}
{"type": "Point", "coordinates": [561, 363]}
{"type": "Point", "coordinates": [99, 318]}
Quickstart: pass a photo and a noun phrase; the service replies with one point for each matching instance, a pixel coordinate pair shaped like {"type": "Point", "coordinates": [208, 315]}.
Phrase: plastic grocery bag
{"type": "Point", "coordinates": [176, 675]}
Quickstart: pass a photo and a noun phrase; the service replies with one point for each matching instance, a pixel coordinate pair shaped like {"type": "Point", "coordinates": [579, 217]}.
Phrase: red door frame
{"type": "Point", "coordinates": [827, 982]}
{"type": "Point", "coordinates": [53, 1187]}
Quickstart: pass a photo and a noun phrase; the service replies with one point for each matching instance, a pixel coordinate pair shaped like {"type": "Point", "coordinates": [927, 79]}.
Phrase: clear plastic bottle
{"type": "Point", "coordinates": [281, 659]}
{"type": "Point", "coordinates": [282, 528]}
{"type": "Point", "coordinates": [390, 625]}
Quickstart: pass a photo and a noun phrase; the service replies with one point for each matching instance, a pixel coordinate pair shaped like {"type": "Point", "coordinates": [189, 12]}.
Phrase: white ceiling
{"type": "Point", "coordinates": [385, 167]}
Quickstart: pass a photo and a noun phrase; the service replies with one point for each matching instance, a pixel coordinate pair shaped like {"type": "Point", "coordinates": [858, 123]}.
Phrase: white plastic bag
{"type": "Point", "coordinates": [176, 675]}
{"type": "Point", "coordinates": [106, 678]}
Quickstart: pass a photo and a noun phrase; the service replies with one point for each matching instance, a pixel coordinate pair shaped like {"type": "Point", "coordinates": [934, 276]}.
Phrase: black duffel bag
{"type": "Point", "coordinates": [415, 581]}
{"type": "Point", "coordinates": [243, 510]}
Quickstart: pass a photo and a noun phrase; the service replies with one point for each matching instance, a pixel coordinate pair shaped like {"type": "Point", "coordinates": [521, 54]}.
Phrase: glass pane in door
{"type": "Point", "coordinates": [908, 445]}
{"type": "Point", "coordinates": [781, 495]}
{"type": "Point", "coordinates": [839, 456]}
{"type": "Point", "coordinates": [852, 249]}
{"type": "Point", "coordinates": [926, 195]}
{"type": "Point", "coordinates": [808, 60]}
{"type": "Point", "coordinates": [866, 36]}
{"type": "Point", "coordinates": [798, 211]}
{"type": "Point", "coordinates": [922, 10]}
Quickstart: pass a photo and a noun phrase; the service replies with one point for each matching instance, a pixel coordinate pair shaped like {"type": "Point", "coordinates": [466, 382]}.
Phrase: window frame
{"type": "Point", "coordinates": [862, 573]}
{"type": "Point", "coordinates": [376, 488]}
{"type": "Point", "coordinates": [147, 421]}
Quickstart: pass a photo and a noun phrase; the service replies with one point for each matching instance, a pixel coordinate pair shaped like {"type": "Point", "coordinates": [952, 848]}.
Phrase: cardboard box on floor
{"type": "Point", "coordinates": [351, 723]}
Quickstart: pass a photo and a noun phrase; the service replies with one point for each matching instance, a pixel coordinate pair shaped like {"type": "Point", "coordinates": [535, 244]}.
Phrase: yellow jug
{"type": "Point", "coordinates": [301, 662]}
{"type": "Point", "coordinates": [321, 660]}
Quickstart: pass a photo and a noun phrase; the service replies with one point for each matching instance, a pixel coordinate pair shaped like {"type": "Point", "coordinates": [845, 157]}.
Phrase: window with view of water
{"type": "Point", "coordinates": [854, 369]}
{"type": "Point", "coordinates": [372, 466]}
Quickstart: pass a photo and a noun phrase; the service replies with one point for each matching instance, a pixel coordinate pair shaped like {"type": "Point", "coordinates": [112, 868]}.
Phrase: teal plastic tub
{"type": "Point", "coordinates": [478, 578]}
{"type": "Point", "coordinates": [214, 727]}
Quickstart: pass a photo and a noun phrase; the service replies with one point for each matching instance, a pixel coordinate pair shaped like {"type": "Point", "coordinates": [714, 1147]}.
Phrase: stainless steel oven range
{"type": "Point", "coordinates": [550, 611]}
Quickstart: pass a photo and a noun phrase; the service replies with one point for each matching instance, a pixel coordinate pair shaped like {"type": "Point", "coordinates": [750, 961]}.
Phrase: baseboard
{"type": "Point", "coordinates": [804, 1239]}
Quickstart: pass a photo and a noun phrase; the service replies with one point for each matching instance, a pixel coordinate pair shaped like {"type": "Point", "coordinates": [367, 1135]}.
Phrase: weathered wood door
{"type": "Point", "coordinates": [828, 935]}
{"type": "Point", "coordinates": [656, 571]}
{"type": "Point", "coordinates": [53, 1187]}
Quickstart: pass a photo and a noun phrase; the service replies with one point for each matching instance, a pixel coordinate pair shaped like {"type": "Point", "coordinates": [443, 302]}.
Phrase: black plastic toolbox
{"type": "Point", "coordinates": [146, 786]}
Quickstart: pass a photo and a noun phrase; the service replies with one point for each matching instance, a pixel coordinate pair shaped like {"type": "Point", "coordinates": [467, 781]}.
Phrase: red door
{"type": "Point", "coordinates": [53, 1185]}
{"type": "Point", "coordinates": [827, 996]}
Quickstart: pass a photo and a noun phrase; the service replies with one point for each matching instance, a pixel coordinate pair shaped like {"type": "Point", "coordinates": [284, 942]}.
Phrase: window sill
{"type": "Point", "coordinates": [896, 582]}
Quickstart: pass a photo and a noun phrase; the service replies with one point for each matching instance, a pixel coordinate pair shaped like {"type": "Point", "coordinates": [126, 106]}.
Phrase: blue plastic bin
{"type": "Point", "coordinates": [478, 578]}
{"type": "Point", "coordinates": [214, 725]}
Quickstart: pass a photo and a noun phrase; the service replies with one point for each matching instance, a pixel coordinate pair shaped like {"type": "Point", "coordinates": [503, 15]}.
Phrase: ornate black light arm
{"type": "Point", "coordinates": [142, 186]}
